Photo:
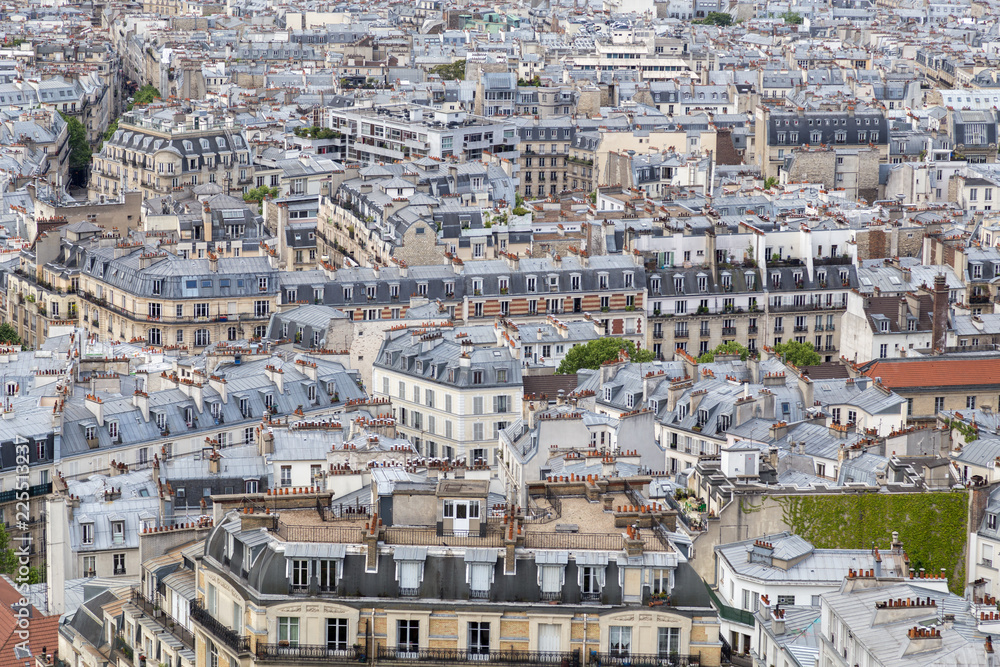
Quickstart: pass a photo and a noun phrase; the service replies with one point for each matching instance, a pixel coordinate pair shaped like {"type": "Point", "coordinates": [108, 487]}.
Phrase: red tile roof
{"type": "Point", "coordinates": [935, 372]}
{"type": "Point", "coordinates": [43, 631]}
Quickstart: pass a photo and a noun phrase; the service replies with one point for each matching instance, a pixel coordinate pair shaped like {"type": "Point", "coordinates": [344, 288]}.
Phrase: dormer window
{"type": "Point", "coordinates": [751, 280]}
{"type": "Point", "coordinates": [977, 270]}
{"type": "Point", "coordinates": [530, 281]}
{"type": "Point", "coordinates": [702, 283]}
{"type": "Point", "coordinates": [88, 532]}
{"type": "Point", "coordinates": [727, 281]}
{"type": "Point", "coordinates": [628, 279]}
{"type": "Point", "coordinates": [776, 280]}
{"type": "Point", "coordinates": [113, 430]}
{"type": "Point", "coordinates": [630, 401]}
{"type": "Point", "coordinates": [678, 284]}
{"type": "Point", "coordinates": [479, 570]}
{"type": "Point", "coordinates": [884, 326]}
{"type": "Point", "coordinates": [348, 292]}
{"type": "Point", "coordinates": [91, 432]}
{"type": "Point", "coordinates": [118, 532]}
{"type": "Point", "coordinates": [702, 417]}
{"type": "Point", "coordinates": [682, 411]}
{"type": "Point", "coordinates": [602, 280]}
{"type": "Point", "coordinates": [607, 393]}
{"type": "Point", "coordinates": [654, 284]}
{"type": "Point", "coordinates": [991, 521]}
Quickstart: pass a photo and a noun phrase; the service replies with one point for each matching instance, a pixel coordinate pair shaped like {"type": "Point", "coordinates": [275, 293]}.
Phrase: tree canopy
{"type": "Point", "coordinates": [732, 347]}
{"type": "Point", "coordinates": [792, 18]}
{"type": "Point", "coordinates": [596, 352]}
{"type": "Point", "coordinates": [455, 70]}
{"type": "Point", "coordinates": [798, 354]}
{"type": "Point", "coordinates": [144, 96]}
{"type": "Point", "coordinates": [716, 18]}
{"type": "Point", "coordinates": [79, 149]}
{"type": "Point", "coordinates": [260, 193]}
{"type": "Point", "coordinates": [10, 561]}
{"type": "Point", "coordinates": [8, 334]}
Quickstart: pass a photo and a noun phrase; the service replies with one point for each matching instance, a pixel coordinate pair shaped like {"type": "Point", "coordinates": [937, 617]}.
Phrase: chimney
{"type": "Point", "coordinates": [219, 384]}
{"type": "Point", "coordinates": [903, 312]}
{"type": "Point", "coordinates": [276, 376]}
{"type": "Point", "coordinates": [778, 621]}
{"type": "Point", "coordinates": [674, 392]}
{"type": "Point", "coordinates": [140, 399]}
{"type": "Point", "coordinates": [940, 313]}
{"type": "Point", "coordinates": [779, 430]}
{"type": "Point", "coordinates": [96, 406]}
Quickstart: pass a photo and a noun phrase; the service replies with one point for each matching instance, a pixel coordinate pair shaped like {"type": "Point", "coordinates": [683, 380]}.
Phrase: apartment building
{"type": "Point", "coordinates": [401, 131]}
{"type": "Point", "coordinates": [161, 150]}
{"type": "Point", "coordinates": [784, 570]}
{"type": "Point", "coordinates": [439, 580]}
{"type": "Point", "coordinates": [450, 398]}
{"type": "Point", "coordinates": [780, 132]}
{"type": "Point", "coordinates": [695, 310]}
{"type": "Point", "coordinates": [609, 287]}
{"type": "Point", "coordinates": [142, 293]}
{"type": "Point", "coordinates": [543, 156]}
{"type": "Point", "coordinates": [872, 620]}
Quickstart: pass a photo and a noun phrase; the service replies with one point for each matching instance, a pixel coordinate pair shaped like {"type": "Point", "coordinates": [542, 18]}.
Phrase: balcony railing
{"type": "Point", "coordinates": [728, 331]}
{"type": "Point", "coordinates": [510, 657]}
{"type": "Point", "coordinates": [239, 643]}
{"type": "Point", "coordinates": [172, 624]}
{"type": "Point", "coordinates": [647, 660]}
{"type": "Point", "coordinates": [310, 652]}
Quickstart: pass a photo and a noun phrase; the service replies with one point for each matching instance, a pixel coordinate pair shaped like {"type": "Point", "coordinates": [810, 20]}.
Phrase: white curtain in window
{"type": "Point", "coordinates": [481, 576]}
{"type": "Point", "coordinates": [409, 574]}
{"type": "Point", "coordinates": [550, 578]}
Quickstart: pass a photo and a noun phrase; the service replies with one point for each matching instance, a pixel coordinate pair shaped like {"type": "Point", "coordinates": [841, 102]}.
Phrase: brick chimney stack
{"type": "Point", "coordinates": [940, 314]}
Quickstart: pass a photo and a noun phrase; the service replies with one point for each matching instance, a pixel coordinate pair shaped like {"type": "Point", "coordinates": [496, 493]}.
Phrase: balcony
{"type": "Point", "coordinates": [657, 334]}
{"type": "Point", "coordinates": [307, 652]}
{"type": "Point", "coordinates": [647, 660]}
{"type": "Point", "coordinates": [681, 334]}
{"type": "Point", "coordinates": [779, 329]}
{"type": "Point", "coordinates": [801, 328]}
{"type": "Point", "coordinates": [172, 625]}
{"type": "Point", "coordinates": [481, 655]}
{"type": "Point", "coordinates": [751, 331]}
{"type": "Point", "coordinates": [238, 643]}
{"type": "Point", "coordinates": [728, 331]}
{"type": "Point", "coordinates": [980, 299]}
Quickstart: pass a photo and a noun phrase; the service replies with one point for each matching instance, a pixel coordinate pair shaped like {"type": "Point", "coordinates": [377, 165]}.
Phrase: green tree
{"type": "Point", "coordinates": [110, 132]}
{"type": "Point", "coordinates": [792, 18]}
{"type": "Point", "coordinates": [596, 352]}
{"type": "Point", "coordinates": [10, 562]}
{"type": "Point", "coordinates": [259, 194]}
{"type": "Point", "coordinates": [79, 149]}
{"type": "Point", "coordinates": [8, 334]}
{"type": "Point", "coordinates": [721, 19]}
{"type": "Point", "coordinates": [144, 96]}
{"type": "Point", "coordinates": [732, 347]}
{"type": "Point", "coordinates": [455, 70]}
{"type": "Point", "coordinates": [770, 182]}
{"type": "Point", "coordinates": [798, 354]}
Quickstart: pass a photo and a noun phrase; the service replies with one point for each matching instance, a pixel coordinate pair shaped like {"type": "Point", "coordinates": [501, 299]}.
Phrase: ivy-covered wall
{"type": "Point", "coordinates": [932, 526]}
